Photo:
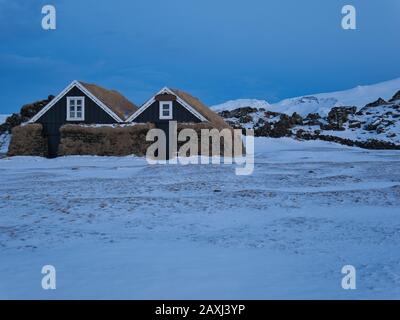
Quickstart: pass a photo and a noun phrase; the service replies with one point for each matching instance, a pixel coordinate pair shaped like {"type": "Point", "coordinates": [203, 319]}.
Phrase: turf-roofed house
{"type": "Point", "coordinates": [177, 105]}
{"type": "Point", "coordinates": [81, 103]}
{"type": "Point", "coordinates": [86, 119]}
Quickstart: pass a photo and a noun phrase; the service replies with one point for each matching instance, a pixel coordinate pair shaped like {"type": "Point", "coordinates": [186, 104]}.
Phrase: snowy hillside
{"type": "Point", "coordinates": [366, 116]}
{"type": "Point", "coordinates": [321, 103]}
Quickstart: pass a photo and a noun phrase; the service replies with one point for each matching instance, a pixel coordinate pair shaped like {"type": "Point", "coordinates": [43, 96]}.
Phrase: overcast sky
{"type": "Point", "coordinates": [217, 50]}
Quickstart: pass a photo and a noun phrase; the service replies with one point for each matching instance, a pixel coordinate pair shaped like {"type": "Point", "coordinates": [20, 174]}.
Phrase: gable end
{"type": "Point", "coordinates": [163, 95]}
{"type": "Point", "coordinates": [64, 92]}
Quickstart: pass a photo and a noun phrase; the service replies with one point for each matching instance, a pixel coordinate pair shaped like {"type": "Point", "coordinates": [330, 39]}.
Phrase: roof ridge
{"type": "Point", "coordinates": [112, 98]}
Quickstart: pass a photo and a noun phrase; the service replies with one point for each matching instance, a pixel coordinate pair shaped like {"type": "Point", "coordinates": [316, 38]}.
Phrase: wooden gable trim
{"type": "Point", "coordinates": [64, 92]}
{"type": "Point", "coordinates": [166, 90]}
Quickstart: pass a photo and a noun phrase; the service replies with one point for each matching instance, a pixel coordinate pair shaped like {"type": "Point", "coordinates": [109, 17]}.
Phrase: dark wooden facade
{"type": "Point", "coordinates": [179, 114]}
{"type": "Point", "coordinates": [56, 117]}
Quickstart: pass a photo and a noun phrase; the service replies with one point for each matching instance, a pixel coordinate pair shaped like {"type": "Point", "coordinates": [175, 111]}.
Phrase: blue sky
{"type": "Point", "coordinates": [217, 50]}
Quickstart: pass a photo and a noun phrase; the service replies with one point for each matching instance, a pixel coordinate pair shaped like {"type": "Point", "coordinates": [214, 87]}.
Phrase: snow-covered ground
{"type": "Point", "coordinates": [119, 228]}
{"type": "Point", "coordinates": [322, 102]}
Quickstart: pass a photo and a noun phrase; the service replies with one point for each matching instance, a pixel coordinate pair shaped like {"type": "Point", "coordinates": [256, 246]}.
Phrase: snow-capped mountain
{"type": "Point", "coordinates": [241, 103]}
{"type": "Point", "coordinates": [320, 103]}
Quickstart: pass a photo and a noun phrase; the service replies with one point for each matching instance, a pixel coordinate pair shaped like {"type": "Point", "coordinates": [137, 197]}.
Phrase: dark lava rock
{"type": "Point", "coordinates": [395, 97]}
{"type": "Point", "coordinates": [245, 119]}
{"type": "Point", "coordinates": [340, 115]}
{"type": "Point", "coordinates": [239, 113]}
{"type": "Point", "coordinates": [12, 121]}
{"type": "Point", "coordinates": [260, 122]}
{"type": "Point", "coordinates": [296, 119]}
{"type": "Point", "coordinates": [263, 131]}
{"type": "Point", "coordinates": [373, 126]}
{"type": "Point", "coordinates": [313, 116]}
{"type": "Point", "coordinates": [312, 119]}
{"type": "Point", "coordinates": [380, 130]}
{"type": "Point", "coordinates": [225, 114]}
{"type": "Point", "coordinates": [369, 144]}
{"type": "Point", "coordinates": [376, 103]}
{"type": "Point", "coordinates": [271, 114]}
{"type": "Point", "coordinates": [354, 124]}
{"type": "Point", "coordinates": [327, 127]}
{"type": "Point", "coordinates": [27, 112]}
{"type": "Point", "coordinates": [275, 130]}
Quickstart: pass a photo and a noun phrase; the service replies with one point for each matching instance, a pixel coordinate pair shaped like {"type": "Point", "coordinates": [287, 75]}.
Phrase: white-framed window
{"type": "Point", "coordinates": [166, 110]}
{"type": "Point", "coordinates": [75, 108]}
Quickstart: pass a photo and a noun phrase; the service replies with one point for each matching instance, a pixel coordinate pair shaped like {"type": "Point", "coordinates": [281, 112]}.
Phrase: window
{"type": "Point", "coordinates": [166, 110]}
{"type": "Point", "coordinates": [75, 108]}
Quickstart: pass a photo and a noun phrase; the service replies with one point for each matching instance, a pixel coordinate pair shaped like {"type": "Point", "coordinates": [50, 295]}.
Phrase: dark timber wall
{"type": "Point", "coordinates": [54, 118]}
{"type": "Point", "coordinates": [179, 113]}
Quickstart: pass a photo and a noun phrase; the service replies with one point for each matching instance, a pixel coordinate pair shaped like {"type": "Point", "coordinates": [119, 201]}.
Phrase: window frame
{"type": "Point", "coordinates": [69, 118]}
{"type": "Point", "coordinates": [161, 114]}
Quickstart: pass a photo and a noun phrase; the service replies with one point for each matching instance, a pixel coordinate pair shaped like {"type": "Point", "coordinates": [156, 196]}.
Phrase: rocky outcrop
{"type": "Point", "coordinates": [376, 103]}
{"type": "Point", "coordinates": [271, 114]}
{"type": "Point", "coordinates": [31, 109]}
{"type": "Point", "coordinates": [27, 112]}
{"type": "Point", "coordinates": [280, 128]}
{"type": "Point", "coordinates": [354, 124]}
{"type": "Point", "coordinates": [373, 126]}
{"type": "Point", "coordinates": [340, 115]}
{"type": "Point", "coordinates": [276, 130]}
{"type": "Point", "coordinates": [369, 144]}
{"type": "Point", "coordinates": [12, 121]}
{"type": "Point", "coordinates": [395, 97]}
{"type": "Point", "coordinates": [379, 119]}
{"type": "Point", "coordinates": [246, 118]}
{"type": "Point", "coordinates": [312, 119]}
{"type": "Point", "coordinates": [296, 119]}
{"type": "Point", "coordinates": [238, 113]}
